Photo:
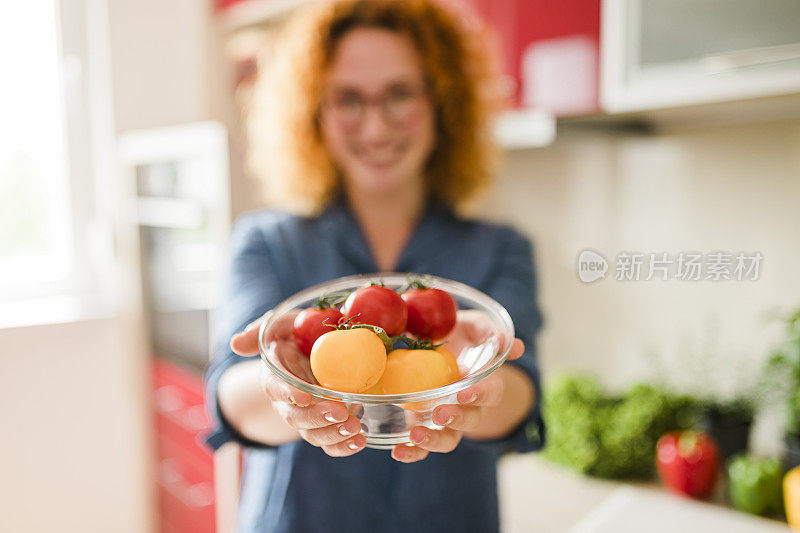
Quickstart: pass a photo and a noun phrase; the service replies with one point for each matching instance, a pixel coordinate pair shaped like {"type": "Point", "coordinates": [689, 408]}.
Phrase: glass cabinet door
{"type": "Point", "coordinates": [660, 53]}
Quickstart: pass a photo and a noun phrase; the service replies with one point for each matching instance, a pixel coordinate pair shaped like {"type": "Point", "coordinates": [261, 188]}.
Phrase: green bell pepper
{"type": "Point", "coordinates": [755, 484]}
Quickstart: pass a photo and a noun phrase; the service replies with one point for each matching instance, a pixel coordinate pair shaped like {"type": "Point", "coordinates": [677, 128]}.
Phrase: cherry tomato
{"type": "Point", "coordinates": [375, 389]}
{"type": "Point", "coordinates": [378, 306]}
{"type": "Point", "coordinates": [349, 360]}
{"type": "Point", "coordinates": [452, 363]}
{"type": "Point", "coordinates": [418, 370]}
{"type": "Point", "coordinates": [310, 324]}
{"type": "Point", "coordinates": [431, 313]}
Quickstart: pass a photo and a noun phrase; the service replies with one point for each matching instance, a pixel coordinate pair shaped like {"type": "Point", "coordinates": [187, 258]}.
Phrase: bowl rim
{"type": "Point", "coordinates": [502, 318]}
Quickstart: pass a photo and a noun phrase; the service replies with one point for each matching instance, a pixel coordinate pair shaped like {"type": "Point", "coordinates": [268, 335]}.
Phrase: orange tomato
{"type": "Point", "coordinates": [418, 370]}
{"type": "Point", "coordinates": [452, 363]}
{"type": "Point", "coordinates": [350, 360]}
{"type": "Point", "coordinates": [375, 389]}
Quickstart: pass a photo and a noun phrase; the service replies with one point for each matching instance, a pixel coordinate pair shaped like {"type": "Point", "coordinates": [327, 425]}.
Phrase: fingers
{"type": "Point", "coordinates": [348, 447]}
{"type": "Point", "coordinates": [319, 415]}
{"type": "Point", "coordinates": [517, 350]}
{"type": "Point", "coordinates": [457, 417]}
{"type": "Point", "coordinates": [332, 433]}
{"type": "Point", "coordinates": [246, 342]}
{"type": "Point", "coordinates": [425, 440]}
{"type": "Point", "coordinates": [435, 440]}
{"type": "Point", "coordinates": [477, 325]}
{"type": "Point", "coordinates": [408, 454]}
{"type": "Point", "coordinates": [326, 424]}
{"type": "Point", "coordinates": [486, 393]}
{"type": "Point", "coordinates": [277, 390]}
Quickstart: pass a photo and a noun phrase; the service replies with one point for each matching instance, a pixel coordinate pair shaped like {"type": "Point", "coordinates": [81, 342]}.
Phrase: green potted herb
{"type": "Point", "coordinates": [781, 382]}
{"type": "Point", "coordinates": [724, 407]}
{"type": "Point", "coordinates": [728, 422]}
{"type": "Point", "coordinates": [606, 435]}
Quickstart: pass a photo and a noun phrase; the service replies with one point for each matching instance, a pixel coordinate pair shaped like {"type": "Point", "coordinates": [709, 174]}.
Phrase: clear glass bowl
{"type": "Point", "coordinates": [387, 419]}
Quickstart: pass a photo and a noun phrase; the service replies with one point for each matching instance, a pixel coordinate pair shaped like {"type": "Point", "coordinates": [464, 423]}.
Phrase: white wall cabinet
{"type": "Point", "coordinates": [671, 53]}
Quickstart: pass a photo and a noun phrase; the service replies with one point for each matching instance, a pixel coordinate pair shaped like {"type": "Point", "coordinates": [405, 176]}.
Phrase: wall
{"type": "Point", "coordinates": [73, 451]}
{"type": "Point", "coordinates": [169, 67]}
{"type": "Point", "coordinates": [732, 188]}
{"type": "Point", "coordinates": [159, 62]}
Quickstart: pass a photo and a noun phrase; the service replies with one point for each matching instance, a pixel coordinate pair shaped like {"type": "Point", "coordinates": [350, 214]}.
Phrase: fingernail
{"type": "Point", "coordinates": [471, 398]}
{"type": "Point", "coordinates": [329, 417]}
{"type": "Point", "coordinates": [352, 445]}
{"type": "Point", "coordinates": [344, 432]}
{"type": "Point", "coordinates": [417, 440]}
{"type": "Point", "coordinates": [449, 421]}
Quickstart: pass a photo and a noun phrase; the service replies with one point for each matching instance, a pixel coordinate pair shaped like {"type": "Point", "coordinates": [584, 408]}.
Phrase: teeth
{"type": "Point", "coordinates": [381, 156]}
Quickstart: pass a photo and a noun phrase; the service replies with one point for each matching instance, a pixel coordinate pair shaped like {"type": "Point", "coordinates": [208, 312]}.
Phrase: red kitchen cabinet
{"type": "Point", "coordinates": [185, 468]}
{"type": "Point", "coordinates": [551, 51]}
{"type": "Point", "coordinates": [550, 48]}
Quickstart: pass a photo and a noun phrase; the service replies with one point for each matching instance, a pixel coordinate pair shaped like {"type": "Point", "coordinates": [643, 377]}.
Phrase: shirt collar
{"type": "Point", "coordinates": [340, 223]}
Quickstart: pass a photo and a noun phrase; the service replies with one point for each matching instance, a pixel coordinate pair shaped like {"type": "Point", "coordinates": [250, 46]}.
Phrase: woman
{"type": "Point", "coordinates": [383, 136]}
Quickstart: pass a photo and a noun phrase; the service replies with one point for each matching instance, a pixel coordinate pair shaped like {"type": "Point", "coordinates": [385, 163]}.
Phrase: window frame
{"type": "Point", "coordinates": [91, 188]}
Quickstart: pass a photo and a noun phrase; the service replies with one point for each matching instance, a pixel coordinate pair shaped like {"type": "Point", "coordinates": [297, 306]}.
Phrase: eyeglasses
{"type": "Point", "coordinates": [399, 105]}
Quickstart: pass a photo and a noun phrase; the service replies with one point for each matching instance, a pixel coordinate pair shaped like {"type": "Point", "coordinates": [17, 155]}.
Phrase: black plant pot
{"type": "Point", "coordinates": [731, 430]}
{"type": "Point", "coordinates": [792, 457]}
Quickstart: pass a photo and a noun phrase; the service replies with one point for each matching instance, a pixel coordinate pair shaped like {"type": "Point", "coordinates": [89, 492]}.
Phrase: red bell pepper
{"type": "Point", "coordinates": [688, 462]}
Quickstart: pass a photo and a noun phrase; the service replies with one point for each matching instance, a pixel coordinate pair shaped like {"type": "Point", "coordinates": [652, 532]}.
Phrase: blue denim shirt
{"type": "Point", "coordinates": [296, 487]}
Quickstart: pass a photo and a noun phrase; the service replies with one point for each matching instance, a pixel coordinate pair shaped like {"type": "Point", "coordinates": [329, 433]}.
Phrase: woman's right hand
{"type": "Point", "coordinates": [327, 424]}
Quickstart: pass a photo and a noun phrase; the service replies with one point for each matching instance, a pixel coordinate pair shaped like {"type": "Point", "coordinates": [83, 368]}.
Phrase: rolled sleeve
{"type": "Point", "coordinates": [513, 285]}
{"type": "Point", "coordinates": [253, 287]}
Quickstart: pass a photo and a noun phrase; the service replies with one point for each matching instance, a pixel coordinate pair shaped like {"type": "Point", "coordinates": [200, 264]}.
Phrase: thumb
{"type": "Point", "coordinates": [245, 343]}
{"type": "Point", "coordinates": [517, 349]}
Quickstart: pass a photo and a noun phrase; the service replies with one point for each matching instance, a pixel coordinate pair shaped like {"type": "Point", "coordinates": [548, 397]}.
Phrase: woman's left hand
{"type": "Point", "coordinates": [467, 415]}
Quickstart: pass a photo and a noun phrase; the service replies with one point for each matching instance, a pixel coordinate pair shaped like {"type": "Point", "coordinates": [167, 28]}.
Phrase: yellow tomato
{"type": "Point", "coordinates": [452, 363]}
{"type": "Point", "coordinates": [417, 370]}
{"type": "Point", "coordinates": [348, 360]}
{"type": "Point", "coordinates": [375, 389]}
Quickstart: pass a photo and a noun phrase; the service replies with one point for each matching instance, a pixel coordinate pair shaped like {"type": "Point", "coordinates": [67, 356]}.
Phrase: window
{"type": "Point", "coordinates": [51, 142]}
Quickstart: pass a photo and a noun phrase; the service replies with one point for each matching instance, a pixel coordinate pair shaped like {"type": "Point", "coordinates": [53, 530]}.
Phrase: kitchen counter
{"type": "Point", "coordinates": [539, 497]}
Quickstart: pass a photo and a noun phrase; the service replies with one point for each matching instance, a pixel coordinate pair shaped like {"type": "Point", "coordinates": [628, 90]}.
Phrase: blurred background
{"type": "Point", "coordinates": [634, 127]}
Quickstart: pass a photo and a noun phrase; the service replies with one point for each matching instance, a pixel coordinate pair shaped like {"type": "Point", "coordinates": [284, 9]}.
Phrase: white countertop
{"type": "Point", "coordinates": [539, 497]}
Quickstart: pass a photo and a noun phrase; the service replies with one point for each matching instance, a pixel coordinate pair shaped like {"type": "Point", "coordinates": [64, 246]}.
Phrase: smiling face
{"type": "Point", "coordinates": [377, 120]}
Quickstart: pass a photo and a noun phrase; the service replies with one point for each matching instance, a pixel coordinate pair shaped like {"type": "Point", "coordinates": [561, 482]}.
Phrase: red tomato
{"type": "Point", "coordinates": [377, 306]}
{"type": "Point", "coordinates": [309, 326]}
{"type": "Point", "coordinates": [431, 313]}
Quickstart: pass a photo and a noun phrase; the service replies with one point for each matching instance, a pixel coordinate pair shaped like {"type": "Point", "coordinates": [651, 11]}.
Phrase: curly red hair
{"type": "Point", "coordinates": [287, 151]}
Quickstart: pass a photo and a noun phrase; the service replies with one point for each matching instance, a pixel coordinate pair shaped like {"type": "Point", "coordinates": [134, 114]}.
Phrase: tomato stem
{"type": "Point", "coordinates": [687, 442]}
{"type": "Point", "coordinates": [344, 322]}
{"type": "Point", "coordinates": [417, 344]}
{"type": "Point", "coordinates": [416, 283]}
{"type": "Point", "coordinates": [379, 331]}
{"type": "Point", "coordinates": [335, 299]}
